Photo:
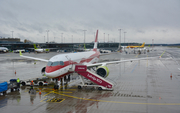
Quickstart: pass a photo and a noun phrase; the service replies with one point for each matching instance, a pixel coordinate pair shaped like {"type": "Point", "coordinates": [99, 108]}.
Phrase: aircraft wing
{"type": "Point", "coordinates": [120, 61]}
{"type": "Point", "coordinates": [44, 60]}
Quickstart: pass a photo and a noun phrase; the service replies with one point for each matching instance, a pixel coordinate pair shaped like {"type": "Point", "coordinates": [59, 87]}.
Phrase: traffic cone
{"type": "Point", "coordinates": [39, 92]}
{"type": "Point", "coordinates": [171, 75]}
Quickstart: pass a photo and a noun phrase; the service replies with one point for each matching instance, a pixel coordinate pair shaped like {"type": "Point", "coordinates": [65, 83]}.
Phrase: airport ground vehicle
{"type": "Point", "coordinates": [12, 85]}
{"type": "Point", "coordinates": [3, 87]}
{"type": "Point", "coordinates": [37, 81]}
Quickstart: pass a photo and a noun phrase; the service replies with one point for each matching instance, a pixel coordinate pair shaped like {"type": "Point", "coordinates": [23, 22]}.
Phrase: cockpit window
{"type": "Point", "coordinates": [61, 63]}
{"type": "Point", "coordinates": [55, 63]}
{"type": "Point", "coordinates": [49, 63]}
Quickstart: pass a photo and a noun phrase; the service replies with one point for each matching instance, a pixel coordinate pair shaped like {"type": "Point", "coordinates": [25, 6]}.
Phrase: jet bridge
{"type": "Point", "coordinates": [101, 82]}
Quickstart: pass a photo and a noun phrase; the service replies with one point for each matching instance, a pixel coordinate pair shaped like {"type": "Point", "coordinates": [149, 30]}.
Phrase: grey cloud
{"type": "Point", "coordinates": [140, 17]}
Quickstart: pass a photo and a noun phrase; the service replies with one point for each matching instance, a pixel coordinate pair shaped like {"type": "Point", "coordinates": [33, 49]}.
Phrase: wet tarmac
{"type": "Point", "coordinates": [140, 87]}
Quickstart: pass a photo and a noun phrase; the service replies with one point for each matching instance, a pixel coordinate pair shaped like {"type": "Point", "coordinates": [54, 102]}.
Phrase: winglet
{"type": "Point", "coordinates": [161, 54]}
{"type": "Point", "coordinates": [35, 46]}
{"type": "Point", "coordinates": [20, 53]}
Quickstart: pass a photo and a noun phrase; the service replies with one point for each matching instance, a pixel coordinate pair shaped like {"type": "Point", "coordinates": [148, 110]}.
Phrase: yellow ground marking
{"type": "Point", "coordinates": [53, 100]}
{"type": "Point", "coordinates": [49, 93]}
{"type": "Point", "coordinates": [67, 84]}
{"type": "Point", "coordinates": [61, 93]}
{"type": "Point", "coordinates": [69, 89]}
{"type": "Point", "coordinates": [137, 55]}
{"type": "Point", "coordinates": [162, 53]}
{"type": "Point", "coordinates": [118, 101]}
{"type": "Point", "coordinates": [57, 92]}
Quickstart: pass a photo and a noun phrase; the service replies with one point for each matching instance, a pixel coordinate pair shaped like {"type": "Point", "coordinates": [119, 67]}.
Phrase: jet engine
{"type": "Point", "coordinates": [43, 71]}
{"type": "Point", "coordinates": [102, 71]}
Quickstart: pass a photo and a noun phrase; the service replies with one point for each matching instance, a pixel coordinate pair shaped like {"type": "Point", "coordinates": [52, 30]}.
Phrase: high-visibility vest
{"type": "Point", "coordinates": [18, 80]}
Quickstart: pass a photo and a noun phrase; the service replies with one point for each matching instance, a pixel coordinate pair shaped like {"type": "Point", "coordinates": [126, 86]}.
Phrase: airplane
{"type": "Point", "coordinates": [105, 51]}
{"type": "Point", "coordinates": [63, 64]}
{"type": "Point", "coordinates": [3, 49]}
{"type": "Point", "coordinates": [83, 49]}
{"type": "Point", "coordinates": [17, 51]}
{"type": "Point", "coordinates": [142, 46]}
{"type": "Point", "coordinates": [39, 50]}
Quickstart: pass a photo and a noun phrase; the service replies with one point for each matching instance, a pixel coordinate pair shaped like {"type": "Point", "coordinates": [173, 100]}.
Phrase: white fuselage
{"type": "Point", "coordinates": [4, 49]}
{"type": "Point", "coordinates": [39, 50]}
{"type": "Point", "coordinates": [61, 64]}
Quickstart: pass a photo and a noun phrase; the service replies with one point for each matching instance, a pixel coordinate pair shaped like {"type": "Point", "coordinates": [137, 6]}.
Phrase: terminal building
{"type": "Point", "coordinates": [14, 44]}
{"type": "Point", "coordinates": [9, 40]}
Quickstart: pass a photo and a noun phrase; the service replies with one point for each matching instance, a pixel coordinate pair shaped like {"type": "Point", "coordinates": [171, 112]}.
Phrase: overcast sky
{"type": "Point", "coordinates": [142, 20]}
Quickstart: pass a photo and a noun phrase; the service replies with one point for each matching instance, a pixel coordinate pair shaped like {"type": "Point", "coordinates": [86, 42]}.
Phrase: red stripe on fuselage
{"type": "Point", "coordinates": [50, 69]}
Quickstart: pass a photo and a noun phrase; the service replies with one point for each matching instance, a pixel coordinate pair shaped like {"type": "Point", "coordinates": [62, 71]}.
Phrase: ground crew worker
{"type": "Point", "coordinates": [18, 83]}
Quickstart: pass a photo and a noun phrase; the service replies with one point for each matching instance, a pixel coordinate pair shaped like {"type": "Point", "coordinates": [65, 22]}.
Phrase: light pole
{"type": "Point", "coordinates": [47, 35]}
{"type": "Point", "coordinates": [44, 39]}
{"type": "Point", "coordinates": [120, 38]}
{"type": "Point", "coordinates": [120, 48]}
{"type": "Point", "coordinates": [61, 37]}
{"type": "Point", "coordinates": [108, 37]}
{"type": "Point", "coordinates": [152, 44]}
{"type": "Point", "coordinates": [104, 37]}
{"type": "Point", "coordinates": [84, 36]}
{"type": "Point", "coordinates": [12, 33]}
{"type": "Point", "coordinates": [124, 40]}
{"type": "Point", "coordinates": [72, 38]}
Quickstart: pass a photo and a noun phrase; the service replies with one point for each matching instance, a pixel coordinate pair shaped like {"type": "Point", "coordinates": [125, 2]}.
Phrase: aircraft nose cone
{"type": "Point", "coordinates": [50, 69]}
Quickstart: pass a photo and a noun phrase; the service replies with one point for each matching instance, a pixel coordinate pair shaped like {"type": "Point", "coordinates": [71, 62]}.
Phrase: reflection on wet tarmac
{"type": "Point", "coordinates": [144, 86]}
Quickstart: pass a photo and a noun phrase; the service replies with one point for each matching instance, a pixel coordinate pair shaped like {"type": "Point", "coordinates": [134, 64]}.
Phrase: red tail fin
{"type": "Point", "coordinates": [95, 42]}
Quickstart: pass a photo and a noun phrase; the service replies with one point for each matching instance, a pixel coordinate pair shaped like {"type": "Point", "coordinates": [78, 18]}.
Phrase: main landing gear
{"type": "Point", "coordinates": [64, 79]}
{"type": "Point", "coordinates": [56, 86]}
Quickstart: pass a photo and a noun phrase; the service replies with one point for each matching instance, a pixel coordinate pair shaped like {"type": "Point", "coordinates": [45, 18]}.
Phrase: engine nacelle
{"type": "Point", "coordinates": [102, 71]}
{"type": "Point", "coordinates": [43, 71]}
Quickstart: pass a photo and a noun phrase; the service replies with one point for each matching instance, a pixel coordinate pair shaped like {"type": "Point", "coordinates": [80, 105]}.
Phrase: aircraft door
{"type": "Point", "coordinates": [70, 63]}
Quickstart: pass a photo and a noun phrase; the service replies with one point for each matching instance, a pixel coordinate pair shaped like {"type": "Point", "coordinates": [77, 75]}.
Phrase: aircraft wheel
{"type": "Point", "coordinates": [23, 83]}
{"type": "Point", "coordinates": [79, 87]}
{"type": "Point", "coordinates": [40, 84]}
{"type": "Point", "coordinates": [99, 88]}
{"type": "Point", "coordinates": [56, 87]}
{"type": "Point", "coordinates": [4, 92]}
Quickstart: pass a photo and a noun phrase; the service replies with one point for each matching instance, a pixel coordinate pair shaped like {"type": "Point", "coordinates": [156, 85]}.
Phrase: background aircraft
{"type": "Point", "coordinates": [40, 50]}
{"type": "Point", "coordinates": [3, 49]}
{"type": "Point", "coordinates": [142, 46]}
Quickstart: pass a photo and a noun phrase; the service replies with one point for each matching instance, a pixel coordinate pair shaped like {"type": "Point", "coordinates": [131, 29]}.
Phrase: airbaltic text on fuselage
{"type": "Point", "coordinates": [94, 78]}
